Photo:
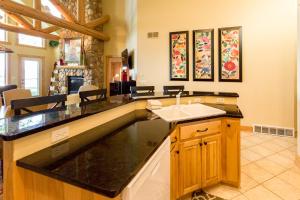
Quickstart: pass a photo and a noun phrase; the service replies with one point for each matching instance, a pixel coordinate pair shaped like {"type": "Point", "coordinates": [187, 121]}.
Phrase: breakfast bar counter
{"type": "Point", "coordinates": [102, 147]}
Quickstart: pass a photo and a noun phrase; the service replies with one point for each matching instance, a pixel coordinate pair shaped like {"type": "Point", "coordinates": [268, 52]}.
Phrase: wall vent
{"type": "Point", "coordinates": [273, 130]}
{"type": "Point", "coordinates": [153, 35]}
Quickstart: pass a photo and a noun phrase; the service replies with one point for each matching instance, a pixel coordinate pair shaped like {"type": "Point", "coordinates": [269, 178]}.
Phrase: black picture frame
{"type": "Point", "coordinates": [240, 47]}
{"type": "Point", "coordinates": [187, 56]}
{"type": "Point", "coordinates": [212, 32]}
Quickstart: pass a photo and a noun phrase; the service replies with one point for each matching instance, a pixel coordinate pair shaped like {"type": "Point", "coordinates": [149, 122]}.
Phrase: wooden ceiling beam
{"type": "Point", "coordinates": [91, 24]}
{"type": "Point", "coordinates": [50, 29]}
{"type": "Point", "coordinates": [38, 6]}
{"type": "Point", "coordinates": [81, 11]}
{"type": "Point", "coordinates": [11, 6]}
{"type": "Point", "coordinates": [64, 11]}
{"type": "Point", "coordinates": [20, 20]}
{"type": "Point", "coordinates": [28, 32]}
{"type": "Point", "coordinates": [98, 22]}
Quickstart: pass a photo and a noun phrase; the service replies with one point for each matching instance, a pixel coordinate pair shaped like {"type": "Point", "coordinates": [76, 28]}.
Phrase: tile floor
{"type": "Point", "coordinates": [268, 170]}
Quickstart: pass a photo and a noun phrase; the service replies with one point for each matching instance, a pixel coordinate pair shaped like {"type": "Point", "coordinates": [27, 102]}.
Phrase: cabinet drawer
{"type": "Point", "coordinates": [198, 129]}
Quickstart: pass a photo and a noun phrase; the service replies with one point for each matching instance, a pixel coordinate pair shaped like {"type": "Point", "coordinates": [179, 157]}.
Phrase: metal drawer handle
{"type": "Point", "coordinates": [201, 131]}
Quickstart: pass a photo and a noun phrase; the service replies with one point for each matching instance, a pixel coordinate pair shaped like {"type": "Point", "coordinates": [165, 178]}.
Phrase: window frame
{"type": "Point", "coordinates": [5, 41]}
{"type": "Point", "coordinates": [6, 57]}
{"type": "Point", "coordinates": [41, 71]}
{"type": "Point", "coordinates": [27, 45]}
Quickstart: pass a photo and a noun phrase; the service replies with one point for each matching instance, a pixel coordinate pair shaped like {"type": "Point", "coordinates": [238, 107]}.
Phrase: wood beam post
{"type": "Point", "coordinates": [63, 10]}
{"type": "Point", "coordinates": [81, 11]}
{"type": "Point", "coordinates": [28, 32]}
{"type": "Point", "coordinates": [38, 6]}
{"type": "Point", "coordinates": [20, 20]}
{"type": "Point", "coordinates": [39, 15]}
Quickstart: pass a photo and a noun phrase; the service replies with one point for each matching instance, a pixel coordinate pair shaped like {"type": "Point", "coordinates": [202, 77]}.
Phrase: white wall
{"type": "Point", "coordinates": [268, 92]}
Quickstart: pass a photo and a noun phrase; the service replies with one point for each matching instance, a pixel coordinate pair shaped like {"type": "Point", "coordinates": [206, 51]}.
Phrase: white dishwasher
{"type": "Point", "coordinates": [153, 180]}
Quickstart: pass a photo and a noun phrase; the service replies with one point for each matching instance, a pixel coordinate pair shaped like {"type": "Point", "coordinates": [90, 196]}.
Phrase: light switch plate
{"type": "Point", "coordinates": [60, 134]}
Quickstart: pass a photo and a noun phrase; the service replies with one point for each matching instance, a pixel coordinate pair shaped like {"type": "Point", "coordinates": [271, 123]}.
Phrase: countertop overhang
{"type": "Point", "coordinates": [22, 126]}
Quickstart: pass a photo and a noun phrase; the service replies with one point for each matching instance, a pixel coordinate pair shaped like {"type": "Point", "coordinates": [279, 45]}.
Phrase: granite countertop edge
{"type": "Point", "coordinates": [14, 135]}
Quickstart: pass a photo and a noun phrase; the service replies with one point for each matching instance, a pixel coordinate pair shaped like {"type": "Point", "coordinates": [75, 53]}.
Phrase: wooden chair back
{"type": "Point", "coordinates": [20, 105]}
{"type": "Point", "coordinates": [98, 96]}
{"type": "Point", "coordinates": [142, 90]}
{"type": "Point", "coordinates": [6, 88]}
{"type": "Point", "coordinates": [15, 94]}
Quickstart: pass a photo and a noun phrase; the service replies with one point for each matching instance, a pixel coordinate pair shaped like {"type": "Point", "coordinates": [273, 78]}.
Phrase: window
{"type": "Point", "coordinates": [50, 8]}
{"type": "Point", "coordinates": [3, 33]}
{"type": "Point", "coordinates": [30, 40]}
{"type": "Point", "coordinates": [3, 64]}
{"type": "Point", "coordinates": [31, 68]}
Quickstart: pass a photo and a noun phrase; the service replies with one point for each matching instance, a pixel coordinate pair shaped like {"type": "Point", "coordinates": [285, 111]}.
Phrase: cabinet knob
{"type": "Point", "coordinates": [228, 125]}
{"type": "Point", "coordinates": [205, 143]}
{"type": "Point", "coordinates": [200, 144]}
{"type": "Point", "coordinates": [177, 152]}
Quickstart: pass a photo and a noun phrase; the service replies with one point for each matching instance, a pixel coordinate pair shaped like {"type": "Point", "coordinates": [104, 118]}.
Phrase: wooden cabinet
{"type": "Point", "coordinates": [174, 172]}
{"type": "Point", "coordinates": [204, 153]}
{"type": "Point", "coordinates": [231, 152]}
{"type": "Point", "coordinates": [190, 166]}
{"type": "Point", "coordinates": [211, 160]}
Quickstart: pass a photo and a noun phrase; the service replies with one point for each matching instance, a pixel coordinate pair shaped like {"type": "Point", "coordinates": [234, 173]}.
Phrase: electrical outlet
{"type": "Point", "coordinates": [60, 134]}
{"type": "Point", "coordinates": [220, 100]}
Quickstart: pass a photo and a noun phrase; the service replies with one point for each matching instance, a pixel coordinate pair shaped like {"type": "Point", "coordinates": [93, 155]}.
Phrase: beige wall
{"type": "Point", "coordinates": [298, 80]}
{"type": "Point", "coordinates": [267, 94]}
{"type": "Point", "coordinates": [122, 28]}
{"type": "Point", "coordinates": [47, 54]}
{"type": "Point", "coordinates": [116, 28]}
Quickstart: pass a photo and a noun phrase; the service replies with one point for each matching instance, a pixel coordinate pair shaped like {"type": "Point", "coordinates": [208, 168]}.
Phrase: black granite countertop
{"type": "Point", "coordinates": [18, 127]}
{"type": "Point", "coordinates": [104, 159]}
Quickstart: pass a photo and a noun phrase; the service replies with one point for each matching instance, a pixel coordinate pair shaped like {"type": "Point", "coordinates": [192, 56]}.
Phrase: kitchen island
{"type": "Point", "coordinates": [100, 154]}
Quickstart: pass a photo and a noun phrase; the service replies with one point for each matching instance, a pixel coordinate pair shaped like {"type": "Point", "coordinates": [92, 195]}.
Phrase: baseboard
{"type": "Point", "coordinates": [247, 128]}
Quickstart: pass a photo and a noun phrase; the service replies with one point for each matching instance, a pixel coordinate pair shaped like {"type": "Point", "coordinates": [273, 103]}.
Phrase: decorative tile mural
{"type": "Point", "coordinates": [179, 56]}
{"type": "Point", "coordinates": [203, 49]}
{"type": "Point", "coordinates": [230, 54]}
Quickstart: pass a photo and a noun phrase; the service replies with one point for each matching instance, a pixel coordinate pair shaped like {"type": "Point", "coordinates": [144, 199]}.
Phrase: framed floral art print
{"type": "Point", "coordinates": [203, 50]}
{"type": "Point", "coordinates": [230, 54]}
{"type": "Point", "coordinates": [179, 56]}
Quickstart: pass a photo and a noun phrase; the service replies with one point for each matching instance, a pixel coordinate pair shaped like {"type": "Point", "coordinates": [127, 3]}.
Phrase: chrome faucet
{"type": "Point", "coordinates": [178, 98]}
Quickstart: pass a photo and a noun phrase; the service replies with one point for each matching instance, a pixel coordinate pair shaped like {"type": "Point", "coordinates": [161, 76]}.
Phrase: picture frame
{"type": "Point", "coordinates": [230, 54]}
{"type": "Point", "coordinates": [179, 56]}
{"type": "Point", "coordinates": [72, 50]}
{"type": "Point", "coordinates": [203, 55]}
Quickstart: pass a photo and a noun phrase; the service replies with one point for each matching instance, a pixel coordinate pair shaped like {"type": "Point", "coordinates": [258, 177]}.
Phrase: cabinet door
{"type": "Point", "coordinates": [231, 152]}
{"type": "Point", "coordinates": [190, 166]}
{"type": "Point", "coordinates": [175, 172]}
{"type": "Point", "coordinates": [211, 160]}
